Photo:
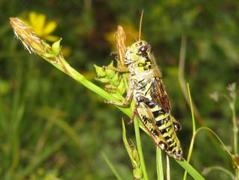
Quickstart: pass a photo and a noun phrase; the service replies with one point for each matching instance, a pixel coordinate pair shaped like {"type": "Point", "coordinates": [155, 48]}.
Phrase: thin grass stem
{"type": "Point", "coordinates": [235, 135]}
{"type": "Point", "coordinates": [159, 164]}
{"type": "Point", "coordinates": [193, 129]}
{"type": "Point", "coordinates": [139, 148]}
{"type": "Point", "coordinates": [235, 130]}
{"type": "Point", "coordinates": [168, 168]}
{"type": "Point", "coordinates": [181, 77]}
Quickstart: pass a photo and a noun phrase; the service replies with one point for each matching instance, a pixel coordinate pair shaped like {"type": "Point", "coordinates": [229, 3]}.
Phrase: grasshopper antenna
{"type": "Point", "coordinates": [140, 23]}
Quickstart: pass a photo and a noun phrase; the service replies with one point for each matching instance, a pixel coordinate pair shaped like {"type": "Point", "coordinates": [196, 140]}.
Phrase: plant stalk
{"type": "Point", "coordinates": [193, 130]}
{"type": "Point", "coordinates": [139, 148]}
{"type": "Point", "coordinates": [168, 168]}
{"type": "Point", "coordinates": [159, 164]}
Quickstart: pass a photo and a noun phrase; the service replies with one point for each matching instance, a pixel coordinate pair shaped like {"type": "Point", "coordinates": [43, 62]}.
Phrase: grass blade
{"type": "Point", "coordinates": [190, 170]}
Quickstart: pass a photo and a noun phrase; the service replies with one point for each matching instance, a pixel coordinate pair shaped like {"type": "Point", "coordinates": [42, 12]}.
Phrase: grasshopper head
{"type": "Point", "coordinates": [138, 57]}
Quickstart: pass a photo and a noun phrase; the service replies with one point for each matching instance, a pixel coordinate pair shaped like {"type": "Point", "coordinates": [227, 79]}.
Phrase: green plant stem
{"type": "Point", "coordinates": [67, 69]}
{"type": "Point", "coordinates": [159, 164]}
{"type": "Point", "coordinates": [191, 108]}
{"type": "Point", "coordinates": [181, 78]}
{"type": "Point", "coordinates": [139, 148]}
{"type": "Point", "coordinates": [168, 168]}
{"type": "Point", "coordinates": [235, 129]}
{"type": "Point", "coordinates": [235, 135]}
{"type": "Point", "coordinates": [191, 170]}
{"type": "Point", "coordinates": [193, 129]}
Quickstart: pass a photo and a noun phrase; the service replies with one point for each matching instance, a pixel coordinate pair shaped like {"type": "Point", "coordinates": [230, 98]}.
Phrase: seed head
{"type": "Point", "coordinates": [27, 36]}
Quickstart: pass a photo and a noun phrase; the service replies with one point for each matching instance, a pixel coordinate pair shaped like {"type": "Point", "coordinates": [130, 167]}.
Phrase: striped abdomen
{"type": "Point", "coordinates": [161, 126]}
{"type": "Point", "coordinates": [165, 124]}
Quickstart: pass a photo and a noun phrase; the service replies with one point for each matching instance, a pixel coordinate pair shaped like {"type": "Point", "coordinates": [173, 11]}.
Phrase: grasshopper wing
{"type": "Point", "coordinates": [160, 95]}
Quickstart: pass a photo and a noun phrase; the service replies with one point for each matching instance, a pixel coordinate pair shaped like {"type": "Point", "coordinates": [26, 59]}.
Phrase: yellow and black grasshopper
{"type": "Point", "coordinates": [153, 108]}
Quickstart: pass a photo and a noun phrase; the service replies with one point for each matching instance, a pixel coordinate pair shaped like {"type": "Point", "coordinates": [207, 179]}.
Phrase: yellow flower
{"type": "Point", "coordinates": [42, 28]}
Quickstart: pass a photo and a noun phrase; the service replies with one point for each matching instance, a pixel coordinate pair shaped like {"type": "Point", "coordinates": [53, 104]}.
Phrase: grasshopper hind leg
{"type": "Point", "coordinates": [148, 120]}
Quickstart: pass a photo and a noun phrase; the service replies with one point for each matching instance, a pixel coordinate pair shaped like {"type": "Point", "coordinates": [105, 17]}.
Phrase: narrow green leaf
{"type": "Point", "coordinates": [190, 170]}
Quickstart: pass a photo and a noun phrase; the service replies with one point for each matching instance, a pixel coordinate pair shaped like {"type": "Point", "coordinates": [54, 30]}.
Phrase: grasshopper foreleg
{"type": "Point", "coordinates": [126, 102]}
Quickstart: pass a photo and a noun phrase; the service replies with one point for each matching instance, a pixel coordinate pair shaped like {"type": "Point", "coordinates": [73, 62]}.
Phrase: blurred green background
{"type": "Point", "coordinates": [51, 127]}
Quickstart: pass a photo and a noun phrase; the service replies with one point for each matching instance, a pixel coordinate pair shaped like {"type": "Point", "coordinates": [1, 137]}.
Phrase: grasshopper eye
{"type": "Point", "coordinates": [143, 49]}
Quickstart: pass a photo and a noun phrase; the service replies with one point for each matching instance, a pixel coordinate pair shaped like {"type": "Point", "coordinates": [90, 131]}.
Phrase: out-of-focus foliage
{"type": "Point", "coordinates": [49, 122]}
